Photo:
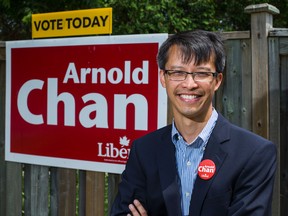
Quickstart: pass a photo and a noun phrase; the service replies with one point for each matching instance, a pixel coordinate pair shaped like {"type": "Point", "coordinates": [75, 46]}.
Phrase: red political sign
{"type": "Point", "coordinates": [80, 102]}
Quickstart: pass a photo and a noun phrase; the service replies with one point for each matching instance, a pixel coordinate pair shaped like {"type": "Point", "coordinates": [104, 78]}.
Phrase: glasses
{"type": "Point", "coordinates": [177, 75]}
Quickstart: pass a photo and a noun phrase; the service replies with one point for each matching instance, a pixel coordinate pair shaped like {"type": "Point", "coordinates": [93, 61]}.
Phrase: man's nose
{"type": "Point", "coordinates": [189, 82]}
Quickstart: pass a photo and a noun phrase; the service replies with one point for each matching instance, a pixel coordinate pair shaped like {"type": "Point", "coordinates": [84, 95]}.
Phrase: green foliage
{"type": "Point", "coordinates": [132, 17]}
{"type": "Point", "coordinates": [5, 3]}
{"type": "Point", "coordinates": [141, 16]}
{"type": "Point", "coordinates": [232, 16]}
{"type": "Point", "coordinates": [15, 15]}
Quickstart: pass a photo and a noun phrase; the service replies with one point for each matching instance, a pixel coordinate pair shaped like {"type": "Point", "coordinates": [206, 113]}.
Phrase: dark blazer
{"type": "Point", "coordinates": [242, 184]}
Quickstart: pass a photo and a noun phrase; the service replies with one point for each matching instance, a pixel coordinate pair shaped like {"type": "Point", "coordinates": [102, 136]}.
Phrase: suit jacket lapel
{"type": "Point", "coordinates": [168, 174]}
{"type": "Point", "coordinates": [217, 155]}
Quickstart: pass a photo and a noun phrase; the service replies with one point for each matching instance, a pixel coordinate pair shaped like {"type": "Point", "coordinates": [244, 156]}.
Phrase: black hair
{"type": "Point", "coordinates": [198, 45]}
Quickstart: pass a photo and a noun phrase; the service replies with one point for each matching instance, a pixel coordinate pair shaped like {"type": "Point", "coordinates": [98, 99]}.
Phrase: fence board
{"type": "Point", "coordinates": [36, 190]}
{"type": "Point", "coordinates": [274, 114]}
{"type": "Point", "coordinates": [283, 46]}
{"type": "Point", "coordinates": [13, 189]}
{"type": "Point", "coordinates": [95, 188]}
{"type": "Point", "coordinates": [82, 193]}
{"type": "Point", "coordinates": [284, 134]}
{"type": "Point", "coordinates": [246, 77]}
{"type": "Point", "coordinates": [63, 192]}
{"type": "Point", "coordinates": [233, 99]}
{"type": "Point", "coordinates": [113, 181]}
{"type": "Point", "coordinates": [232, 82]}
{"type": "Point", "coordinates": [236, 35]}
{"type": "Point", "coordinates": [278, 32]}
{"type": "Point", "coordinates": [3, 190]}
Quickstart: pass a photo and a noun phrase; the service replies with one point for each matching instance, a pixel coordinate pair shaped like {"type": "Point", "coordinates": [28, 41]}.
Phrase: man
{"type": "Point", "coordinates": [201, 165]}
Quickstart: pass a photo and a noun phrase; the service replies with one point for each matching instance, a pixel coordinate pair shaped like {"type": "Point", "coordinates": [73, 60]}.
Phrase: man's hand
{"type": "Point", "coordinates": [137, 209]}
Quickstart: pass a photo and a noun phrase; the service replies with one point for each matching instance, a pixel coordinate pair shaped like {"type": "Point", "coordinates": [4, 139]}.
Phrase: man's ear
{"type": "Point", "coordinates": [162, 78]}
{"type": "Point", "coordinates": [219, 79]}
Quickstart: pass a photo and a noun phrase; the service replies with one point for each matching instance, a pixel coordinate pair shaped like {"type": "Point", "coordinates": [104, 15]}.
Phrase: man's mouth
{"type": "Point", "coordinates": [188, 97]}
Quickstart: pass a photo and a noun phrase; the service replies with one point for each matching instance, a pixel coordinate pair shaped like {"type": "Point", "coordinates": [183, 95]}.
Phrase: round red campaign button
{"type": "Point", "coordinates": [206, 169]}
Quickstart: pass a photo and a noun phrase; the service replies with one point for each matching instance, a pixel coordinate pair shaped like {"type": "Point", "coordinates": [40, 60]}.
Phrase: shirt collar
{"type": "Point", "coordinates": [204, 134]}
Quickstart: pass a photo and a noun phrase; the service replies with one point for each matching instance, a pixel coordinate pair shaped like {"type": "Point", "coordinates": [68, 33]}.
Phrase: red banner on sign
{"type": "Point", "coordinates": [80, 103]}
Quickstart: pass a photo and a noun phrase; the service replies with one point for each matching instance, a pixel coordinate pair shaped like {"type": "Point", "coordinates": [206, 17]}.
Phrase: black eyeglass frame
{"type": "Point", "coordinates": [169, 72]}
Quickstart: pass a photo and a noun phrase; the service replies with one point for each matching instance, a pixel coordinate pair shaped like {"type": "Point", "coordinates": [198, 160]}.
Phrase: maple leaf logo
{"type": "Point", "coordinates": [124, 141]}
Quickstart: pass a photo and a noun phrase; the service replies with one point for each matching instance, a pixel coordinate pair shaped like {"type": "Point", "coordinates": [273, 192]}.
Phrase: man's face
{"type": "Point", "coordinates": [190, 99]}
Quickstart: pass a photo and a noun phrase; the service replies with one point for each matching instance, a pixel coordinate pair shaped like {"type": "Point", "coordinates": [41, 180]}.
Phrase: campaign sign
{"type": "Point", "coordinates": [80, 102]}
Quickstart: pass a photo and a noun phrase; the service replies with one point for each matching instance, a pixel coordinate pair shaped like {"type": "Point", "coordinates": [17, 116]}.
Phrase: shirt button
{"type": "Point", "coordinates": [187, 194]}
{"type": "Point", "coordinates": [188, 163]}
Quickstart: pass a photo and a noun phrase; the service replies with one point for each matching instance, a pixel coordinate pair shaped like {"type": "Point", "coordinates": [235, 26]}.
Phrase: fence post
{"type": "Point", "coordinates": [10, 172]}
{"type": "Point", "coordinates": [3, 189]}
{"type": "Point", "coordinates": [261, 23]}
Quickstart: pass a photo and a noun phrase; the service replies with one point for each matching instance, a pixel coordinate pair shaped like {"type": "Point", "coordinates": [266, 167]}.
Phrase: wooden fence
{"type": "Point", "coordinates": [253, 95]}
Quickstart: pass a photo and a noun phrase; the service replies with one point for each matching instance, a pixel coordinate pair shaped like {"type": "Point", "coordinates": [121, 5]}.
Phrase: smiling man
{"type": "Point", "coordinates": [201, 165]}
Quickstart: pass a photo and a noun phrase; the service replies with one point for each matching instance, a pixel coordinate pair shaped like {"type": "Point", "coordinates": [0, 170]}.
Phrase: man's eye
{"type": "Point", "coordinates": [202, 74]}
{"type": "Point", "coordinates": [178, 73]}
